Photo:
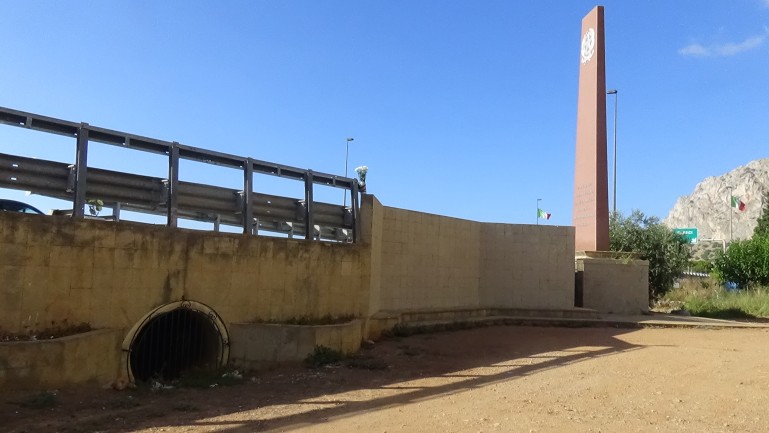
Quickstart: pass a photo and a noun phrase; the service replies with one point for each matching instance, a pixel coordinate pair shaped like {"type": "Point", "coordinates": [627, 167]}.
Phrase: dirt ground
{"type": "Point", "coordinates": [495, 379]}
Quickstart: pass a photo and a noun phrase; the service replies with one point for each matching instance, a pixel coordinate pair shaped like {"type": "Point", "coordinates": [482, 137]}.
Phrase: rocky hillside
{"type": "Point", "coordinates": [708, 207]}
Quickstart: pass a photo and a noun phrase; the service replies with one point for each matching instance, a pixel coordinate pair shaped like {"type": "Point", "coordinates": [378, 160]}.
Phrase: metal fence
{"type": "Point", "coordinates": [171, 197]}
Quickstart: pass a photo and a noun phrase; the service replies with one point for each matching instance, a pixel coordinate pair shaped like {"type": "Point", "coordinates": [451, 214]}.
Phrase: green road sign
{"type": "Point", "coordinates": [690, 234]}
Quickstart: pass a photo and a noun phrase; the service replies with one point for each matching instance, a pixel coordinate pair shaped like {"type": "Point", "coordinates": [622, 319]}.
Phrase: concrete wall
{"type": "Point", "coordinates": [89, 357]}
{"type": "Point", "coordinates": [436, 262]}
{"type": "Point", "coordinates": [109, 275]}
{"type": "Point", "coordinates": [429, 261]}
{"type": "Point", "coordinates": [527, 266]}
{"type": "Point", "coordinates": [257, 345]}
{"type": "Point", "coordinates": [56, 270]}
{"type": "Point", "coordinates": [619, 286]}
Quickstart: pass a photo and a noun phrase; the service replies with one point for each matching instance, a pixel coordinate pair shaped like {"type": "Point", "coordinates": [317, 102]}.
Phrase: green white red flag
{"type": "Point", "coordinates": [542, 214]}
{"type": "Point", "coordinates": [738, 204]}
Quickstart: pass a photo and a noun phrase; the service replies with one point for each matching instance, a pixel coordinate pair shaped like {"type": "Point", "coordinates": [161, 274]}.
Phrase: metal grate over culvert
{"type": "Point", "coordinates": [172, 343]}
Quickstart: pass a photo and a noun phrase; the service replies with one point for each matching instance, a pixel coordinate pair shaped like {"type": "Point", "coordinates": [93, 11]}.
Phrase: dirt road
{"type": "Point", "coordinates": [497, 379]}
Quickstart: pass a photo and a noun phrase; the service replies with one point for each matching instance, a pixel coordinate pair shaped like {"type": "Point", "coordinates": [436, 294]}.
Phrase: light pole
{"type": "Point", "coordinates": [614, 194]}
{"type": "Point", "coordinates": [346, 157]}
{"type": "Point", "coordinates": [731, 211]}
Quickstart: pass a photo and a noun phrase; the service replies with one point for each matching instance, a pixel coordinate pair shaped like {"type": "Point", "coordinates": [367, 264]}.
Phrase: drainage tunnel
{"type": "Point", "coordinates": [173, 342]}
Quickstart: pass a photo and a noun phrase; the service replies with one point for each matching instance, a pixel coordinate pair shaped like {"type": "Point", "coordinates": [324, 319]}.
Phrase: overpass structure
{"type": "Point", "coordinates": [171, 197]}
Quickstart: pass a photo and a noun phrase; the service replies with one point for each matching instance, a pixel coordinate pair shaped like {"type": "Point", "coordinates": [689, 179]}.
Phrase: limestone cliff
{"type": "Point", "coordinates": [708, 207]}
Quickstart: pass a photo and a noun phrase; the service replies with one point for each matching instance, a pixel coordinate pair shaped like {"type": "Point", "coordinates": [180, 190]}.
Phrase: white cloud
{"type": "Point", "coordinates": [694, 50]}
{"type": "Point", "coordinates": [726, 49]}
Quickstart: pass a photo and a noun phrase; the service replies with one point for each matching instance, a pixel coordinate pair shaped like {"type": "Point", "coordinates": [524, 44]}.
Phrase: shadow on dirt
{"type": "Point", "coordinates": [395, 371]}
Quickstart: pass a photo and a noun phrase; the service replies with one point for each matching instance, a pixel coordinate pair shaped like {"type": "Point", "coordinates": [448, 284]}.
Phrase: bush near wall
{"type": "Point", "coordinates": [746, 263]}
{"type": "Point", "coordinates": [668, 253]}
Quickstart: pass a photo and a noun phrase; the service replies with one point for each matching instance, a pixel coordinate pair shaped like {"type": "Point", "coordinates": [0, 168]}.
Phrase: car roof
{"type": "Point", "coordinates": [16, 206]}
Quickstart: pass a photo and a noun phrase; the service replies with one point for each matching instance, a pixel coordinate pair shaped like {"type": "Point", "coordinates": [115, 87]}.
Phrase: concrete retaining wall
{"type": "Point", "coordinates": [255, 345]}
{"type": "Point", "coordinates": [56, 270]}
{"type": "Point", "coordinates": [88, 357]}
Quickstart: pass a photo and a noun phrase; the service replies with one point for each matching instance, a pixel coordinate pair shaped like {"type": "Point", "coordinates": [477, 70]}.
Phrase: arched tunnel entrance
{"type": "Point", "coordinates": [174, 339]}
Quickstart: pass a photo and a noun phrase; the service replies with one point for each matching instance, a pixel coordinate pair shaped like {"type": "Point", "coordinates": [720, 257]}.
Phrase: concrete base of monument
{"type": "Point", "coordinates": [612, 282]}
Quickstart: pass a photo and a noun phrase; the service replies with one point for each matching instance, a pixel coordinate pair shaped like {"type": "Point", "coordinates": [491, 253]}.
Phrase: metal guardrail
{"type": "Point", "coordinates": [174, 198]}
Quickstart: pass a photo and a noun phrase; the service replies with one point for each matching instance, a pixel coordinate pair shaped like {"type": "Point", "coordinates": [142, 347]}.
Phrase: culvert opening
{"type": "Point", "coordinates": [175, 342]}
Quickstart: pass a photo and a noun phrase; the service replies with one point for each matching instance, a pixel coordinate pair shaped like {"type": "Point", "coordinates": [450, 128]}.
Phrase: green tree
{"type": "Point", "coordinates": [762, 228]}
{"type": "Point", "coordinates": [667, 252]}
{"type": "Point", "coordinates": [746, 262]}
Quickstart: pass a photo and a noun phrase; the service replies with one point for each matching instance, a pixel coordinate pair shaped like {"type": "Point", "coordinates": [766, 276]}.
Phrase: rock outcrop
{"type": "Point", "coordinates": [708, 208]}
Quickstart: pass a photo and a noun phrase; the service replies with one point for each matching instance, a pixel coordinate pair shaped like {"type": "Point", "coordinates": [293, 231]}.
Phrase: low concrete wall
{"type": "Point", "coordinates": [255, 345]}
{"type": "Point", "coordinates": [619, 286]}
{"type": "Point", "coordinates": [91, 356]}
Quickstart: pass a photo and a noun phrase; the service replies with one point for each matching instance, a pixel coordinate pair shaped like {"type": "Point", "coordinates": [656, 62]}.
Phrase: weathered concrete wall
{"type": "Point", "coordinates": [92, 356]}
{"type": "Point", "coordinates": [619, 286]}
{"type": "Point", "coordinates": [109, 275]}
{"type": "Point", "coordinates": [257, 345]}
{"type": "Point", "coordinates": [56, 270]}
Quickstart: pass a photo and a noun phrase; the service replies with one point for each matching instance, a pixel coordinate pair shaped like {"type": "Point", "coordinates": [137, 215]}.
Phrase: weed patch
{"type": "Point", "coordinates": [708, 299]}
{"type": "Point", "coordinates": [321, 356]}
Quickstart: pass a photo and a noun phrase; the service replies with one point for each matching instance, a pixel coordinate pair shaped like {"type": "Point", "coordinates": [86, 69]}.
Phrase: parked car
{"type": "Point", "coordinates": [17, 206]}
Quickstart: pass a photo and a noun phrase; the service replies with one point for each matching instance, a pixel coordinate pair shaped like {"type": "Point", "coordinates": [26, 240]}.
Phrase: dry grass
{"type": "Point", "coordinates": [706, 298]}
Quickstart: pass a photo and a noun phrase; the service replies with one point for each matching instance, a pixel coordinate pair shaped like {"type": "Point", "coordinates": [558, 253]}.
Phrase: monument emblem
{"type": "Point", "coordinates": [588, 45]}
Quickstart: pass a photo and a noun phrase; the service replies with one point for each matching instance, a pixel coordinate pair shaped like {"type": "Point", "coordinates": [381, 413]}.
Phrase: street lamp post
{"type": "Point", "coordinates": [731, 211]}
{"type": "Point", "coordinates": [346, 157]}
{"type": "Point", "coordinates": [614, 169]}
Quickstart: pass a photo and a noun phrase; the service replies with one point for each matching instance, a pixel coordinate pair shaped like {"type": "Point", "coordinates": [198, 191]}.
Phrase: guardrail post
{"type": "Point", "coordinates": [309, 225]}
{"type": "Point", "coordinates": [173, 184]}
{"type": "Point", "coordinates": [248, 189]}
{"type": "Point", "coordinates": [81, 172]}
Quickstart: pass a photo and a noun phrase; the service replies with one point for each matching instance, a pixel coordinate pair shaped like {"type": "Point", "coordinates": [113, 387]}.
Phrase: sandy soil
{"type": "Point", "coordinates": [497, 379]}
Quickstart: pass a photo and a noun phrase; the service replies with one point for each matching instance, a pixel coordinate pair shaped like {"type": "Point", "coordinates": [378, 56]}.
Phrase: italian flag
{"type": "Point", "coordinates": [738, 204]}
{"type": "Point", "coordinates": [542, 214]}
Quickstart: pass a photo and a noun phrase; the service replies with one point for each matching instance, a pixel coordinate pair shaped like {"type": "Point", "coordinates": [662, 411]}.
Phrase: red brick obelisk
{"type": "Point", "coordinates": [591, 196]}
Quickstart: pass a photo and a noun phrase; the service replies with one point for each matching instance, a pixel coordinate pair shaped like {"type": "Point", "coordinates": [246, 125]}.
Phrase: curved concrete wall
{"type": "Point", "coordinates": [57, 270]}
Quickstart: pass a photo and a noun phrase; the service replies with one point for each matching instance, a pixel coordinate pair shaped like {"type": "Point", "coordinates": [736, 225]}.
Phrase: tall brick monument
{"type": "Point", "coordinates": [605, 281]}
{"type": "Point", "coordinates": [591, 196]}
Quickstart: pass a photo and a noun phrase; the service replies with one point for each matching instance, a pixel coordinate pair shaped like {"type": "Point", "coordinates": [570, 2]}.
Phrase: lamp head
{"type": "Point", "coordinates": [611, 92]}
{"type": "Point", "coordinates": [350, 139]}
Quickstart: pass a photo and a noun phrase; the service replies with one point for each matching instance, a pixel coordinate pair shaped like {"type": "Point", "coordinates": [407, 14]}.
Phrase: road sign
{"type": "Point", "coordinates": [690, 234]}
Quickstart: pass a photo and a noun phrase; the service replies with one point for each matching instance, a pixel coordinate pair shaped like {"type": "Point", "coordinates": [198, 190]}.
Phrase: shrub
{"type": "Point", "coordinates": [668, 253]}
{"type": "Point", "coordinates": [746, 262]}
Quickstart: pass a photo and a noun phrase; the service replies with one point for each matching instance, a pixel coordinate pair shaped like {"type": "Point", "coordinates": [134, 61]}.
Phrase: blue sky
{"type": "Point", "coordinates": [460, 108]}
